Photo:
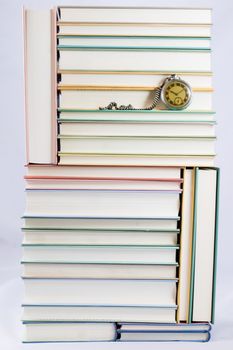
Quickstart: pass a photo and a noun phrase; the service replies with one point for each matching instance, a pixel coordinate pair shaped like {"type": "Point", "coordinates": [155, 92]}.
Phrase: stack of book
{"type": "Point", "coordinates": [120, 226]}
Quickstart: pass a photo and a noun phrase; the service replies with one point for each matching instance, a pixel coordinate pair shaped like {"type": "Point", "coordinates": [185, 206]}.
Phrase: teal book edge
{"type": "Point", "coordinates": [133, 48]}
{"type": "Point", "coordinates": [101, 246]}
{"type": "Point", "coordinates": [173, 307]}
{"type": "Point", "coordinates": [215, 244]}
{"type": "Point", "coordinates": [57, 229]}
{"type": "Point", "coordinates": [132, 71]}
{"type": "Point", "coordinates": [122, 137]}
{"type": "Point", "coordinates": [136, 121]}
{"type": "Point", "coordinates": [61, 36]}
{"type": "Point", "coordinates": [24, 262]}
{"type": "Point", "coordinates": [191, 294]}
{"type": "Point", "coordinates": [52, 217]}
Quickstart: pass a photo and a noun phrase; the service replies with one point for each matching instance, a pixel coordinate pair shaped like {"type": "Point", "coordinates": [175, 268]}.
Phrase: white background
{"type": "Point", "coordinates": [12, 158]}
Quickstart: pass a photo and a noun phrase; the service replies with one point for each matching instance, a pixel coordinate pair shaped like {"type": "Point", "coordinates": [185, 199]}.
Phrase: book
{"type": "Point", "coordinates": [157, 254]}
{"type": "Point", "coordinates": [133, 41]}
{"type": "Point", "coordinates": [43, 332]}
{"type": "Point", "coordinates": [40, 87]}
{"type": "Point", "coordinates": [197, 259]}
{"type": "Point", "coordinates": [138, 145]}
{"type": "Point", "coordinates": [149, 29]}
{"type": "Point", "coordinates": [107, 292]}
{"type": "Point", "coordinates": [165, 336]}
{"type": "Point", "coordinates": [130, 78]}
{"type": "Point", "coordinates": [130, 128]}
{"type": "Point", "coordinates": [102, 237]}
{"type": "Point", "coordinates": [103, 203]}
{"type": "Point", "coordinates": [75, 221]}
{"type": "Point", "coordinates": [99, 313]}
{"type": "Point", "coordinates": [69, 158]}
{"type": "Point", "coordinates": [104, 183]}
{"type": "Point", "coordinates": [134, 59]}
{"type": "Point", "coordinates": [187, 213]}
{"type": "Point", "coordinates": [203, 255]}
{"type": "Point", "coordinates": [100, 172]}
{"type": "Point", "coordinates": [163, 327]}
{"type": "Point", "coordinates": [93, 97]}
{"type": "Point", "coordinates": [133, 116]}
{"type": "Point", "coordinates": [132, 14]}
{"type": "Point", "coordinates": [94, 271]}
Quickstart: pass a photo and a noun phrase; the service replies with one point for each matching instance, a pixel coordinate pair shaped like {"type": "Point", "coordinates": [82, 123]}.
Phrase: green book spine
{"type": "Point", "coordinates": [215, 245]}
{"type": "Point", "coordinates": [194, 229]}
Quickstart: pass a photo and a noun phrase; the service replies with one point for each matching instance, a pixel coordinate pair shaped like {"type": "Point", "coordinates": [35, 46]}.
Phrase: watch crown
{"type": "Point", "coordinates": [170, 77]}
{"type": "Point", "coordinates": [174, 76]}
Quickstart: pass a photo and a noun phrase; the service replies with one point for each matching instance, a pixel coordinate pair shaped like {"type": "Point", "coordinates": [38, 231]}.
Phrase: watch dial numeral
{"type": "Point", "coordinates": [178, 101]}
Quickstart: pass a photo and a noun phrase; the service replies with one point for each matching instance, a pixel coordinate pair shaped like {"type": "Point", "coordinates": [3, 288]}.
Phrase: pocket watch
{"type": "Point", "coordinates": [175, 93]}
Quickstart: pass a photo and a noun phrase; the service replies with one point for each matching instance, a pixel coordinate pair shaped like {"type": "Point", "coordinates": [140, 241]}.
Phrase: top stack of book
{"type": "Point", "coordinates": [118, 55]}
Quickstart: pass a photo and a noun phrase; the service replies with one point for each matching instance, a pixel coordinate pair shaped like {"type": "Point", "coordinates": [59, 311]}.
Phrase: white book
{"type": "Point", "coordinates": [118, 184]}
{"type": "Point", "coordinates": [157, 29]}
{"type": "Point", "coordinates": [93, 99]}
{"type": "Point", "coordinates": [113, 271]}
{"type": "Point", "coordinates": [135, 14]}
{"type": "Point", "coordinates": [93, 115]}
{"type": "Point", "coordinates": [100, 254]}
{"type": "Point", "coordinates": [107, 203]}
{"type": "Point", "coordinates": [105, 172]}
{"type": "Point", "coordinates": [134, 41]}
{"type": "Point", "coordinates": [109, 59]}
{"type": "Point", "coordinates": [72, 222]}
{"type": "Point", "coordinates": [164, 160]}
{"type": "Point", "coordinates": [154, 327]}
{"type": "Point", "coordinates": [101, 293]}
{"type": "Point", "coordinates": [120, 78]}
{"type": "Point", "coordinates": [204, 245]}
{"type": "Point", "coordinates": [68, 332]}
{"type": "Point", "coordinates": [102, 237]}
{"type": "Point", "coordinates": [187, 128]}
{"type": "Point", "coordinates": [39, 86]}
{"type": "Point", "coordinates": [136, 145]}
{"type": "Point", "coordinates": [186, 245]}
{"type": "Point", "coordinates": [98, 313]}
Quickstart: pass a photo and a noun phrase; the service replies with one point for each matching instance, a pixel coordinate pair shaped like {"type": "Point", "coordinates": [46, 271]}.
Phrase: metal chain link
{"type": "Point", "coordinates": [113, 105]}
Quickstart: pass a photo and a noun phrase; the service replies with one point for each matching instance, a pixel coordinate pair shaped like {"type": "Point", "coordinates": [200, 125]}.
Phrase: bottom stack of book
{"type": "Point", "coordinates": [41, 332]}
{"type": "Point", "coordinates": [118, 257]}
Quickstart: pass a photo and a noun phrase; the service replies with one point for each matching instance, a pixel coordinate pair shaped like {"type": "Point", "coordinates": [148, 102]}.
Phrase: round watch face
{"type": "Point", "coordinates": [176, 94]}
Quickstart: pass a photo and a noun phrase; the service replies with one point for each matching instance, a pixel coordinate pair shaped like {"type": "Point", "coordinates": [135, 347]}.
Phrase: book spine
{"type": "Point", "coordinates": [215, 245]}
{"type": "Point", "coordinates": [53, 14]}
{"type": "Point", "coordinates": [194, 229]}
{"type": "Point", "coordinates": [25, 82]}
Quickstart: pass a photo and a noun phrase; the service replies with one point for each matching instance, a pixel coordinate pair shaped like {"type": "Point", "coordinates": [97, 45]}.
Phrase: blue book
{"type": "Point", "coordinates": [195, 332]}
